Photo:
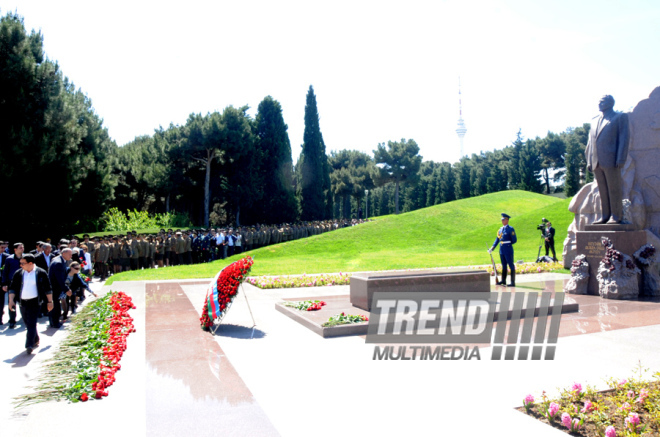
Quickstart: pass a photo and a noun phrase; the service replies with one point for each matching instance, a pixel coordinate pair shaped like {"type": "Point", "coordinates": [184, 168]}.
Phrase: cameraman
{"type": "Point", "coordinates": [549, 235]}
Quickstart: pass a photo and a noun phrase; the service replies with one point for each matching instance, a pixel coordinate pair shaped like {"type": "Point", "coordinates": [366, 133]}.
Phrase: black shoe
{"type": "Point", "coordinates": [12, 326]}
{"type": "Point", "coordinates": [28, 351]}
{"type": "Point", "coordinates": [510, 285]}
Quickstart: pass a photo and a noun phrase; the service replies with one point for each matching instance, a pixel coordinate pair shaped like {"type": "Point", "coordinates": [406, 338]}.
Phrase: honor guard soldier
{"type": "Point", "coordinates": [506, 238]}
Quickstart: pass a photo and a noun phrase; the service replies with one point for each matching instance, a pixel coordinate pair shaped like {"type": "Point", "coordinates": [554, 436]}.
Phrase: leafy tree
{"type": "Point", "coordinates": [397, 163]}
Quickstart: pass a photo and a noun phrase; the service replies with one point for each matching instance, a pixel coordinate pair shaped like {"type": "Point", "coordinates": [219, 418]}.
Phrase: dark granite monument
{"type": "Point", "coordinates": [363, 285]}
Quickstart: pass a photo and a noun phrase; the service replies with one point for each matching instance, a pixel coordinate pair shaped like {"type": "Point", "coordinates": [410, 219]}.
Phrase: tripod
{"type": "Point", "coordinates": [538, 256]}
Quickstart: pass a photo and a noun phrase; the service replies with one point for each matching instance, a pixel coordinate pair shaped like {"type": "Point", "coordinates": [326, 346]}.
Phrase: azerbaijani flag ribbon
{"type": "Point", "coordinates": [212, 298]}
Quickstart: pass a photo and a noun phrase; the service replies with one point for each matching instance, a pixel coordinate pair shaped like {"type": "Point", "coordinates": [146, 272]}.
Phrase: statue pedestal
{"type": "Point", "coordinates": [624, 237]}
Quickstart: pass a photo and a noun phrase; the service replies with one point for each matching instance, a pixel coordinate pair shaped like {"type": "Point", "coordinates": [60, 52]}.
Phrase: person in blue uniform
{"type": "Point", "coordinates": [506, 238]}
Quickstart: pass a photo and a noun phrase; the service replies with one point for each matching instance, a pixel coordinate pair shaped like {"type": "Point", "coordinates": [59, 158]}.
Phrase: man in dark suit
{"type": "Point", "coordinates": [606, 153]}
{"type": "Point", "coordinates": [44, 259]}
{"type": "Point", "coordinates": [3, 253]}
{"type": "Point", "coordinates": [3, 257]}
{"type": "Point", "coordinates": [57, 275]}
{"type": "Point", "coordinates": [549, 235]}
{"type": "Point", "coordinates": [37, 250]}
{"type": "Point", "coordinates": [27, 289]}
{"type": "Point", "coordinates": [10, 266]}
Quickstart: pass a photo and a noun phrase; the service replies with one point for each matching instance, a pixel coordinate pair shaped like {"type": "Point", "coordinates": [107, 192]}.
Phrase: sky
{"type": "Point", "coordinates": [381, 70]}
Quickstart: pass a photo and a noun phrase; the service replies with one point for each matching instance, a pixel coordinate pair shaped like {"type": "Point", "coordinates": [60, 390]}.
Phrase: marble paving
{"type": "Point", "coordinates": [282, 379]}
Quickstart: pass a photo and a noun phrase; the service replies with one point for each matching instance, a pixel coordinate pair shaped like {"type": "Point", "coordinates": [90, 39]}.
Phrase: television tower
{"type": "Point", "coordinates": [461, 130]}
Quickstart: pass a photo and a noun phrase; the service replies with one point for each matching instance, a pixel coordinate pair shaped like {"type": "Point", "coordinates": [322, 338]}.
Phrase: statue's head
{"type": "Point", "coordinates": [606, 102]}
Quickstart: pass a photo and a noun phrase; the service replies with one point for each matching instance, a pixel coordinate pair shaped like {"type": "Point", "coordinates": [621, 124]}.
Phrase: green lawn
{"type": "Point", "coordinates": [452, 234]}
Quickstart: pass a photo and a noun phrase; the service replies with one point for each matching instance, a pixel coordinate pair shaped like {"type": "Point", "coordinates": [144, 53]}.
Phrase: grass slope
{"type": "Point", "coordinates": [451, 234]}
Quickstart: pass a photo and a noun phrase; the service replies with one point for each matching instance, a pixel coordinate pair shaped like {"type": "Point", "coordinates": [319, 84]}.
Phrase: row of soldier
{"type": "Point", "coordinates": [132, 251]}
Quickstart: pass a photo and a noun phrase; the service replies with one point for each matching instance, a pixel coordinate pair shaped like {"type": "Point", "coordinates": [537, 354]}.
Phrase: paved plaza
{"type": "Point", "coordinates": [282, 379]}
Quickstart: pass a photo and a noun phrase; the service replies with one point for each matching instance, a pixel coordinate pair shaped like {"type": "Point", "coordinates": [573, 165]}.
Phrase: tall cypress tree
{"type": "Point", "coordinates": [316, 195]}
{"type": "Point", "coordinates": [515, 179]}
{"type": "Point", "coordinates": [279, 203]}
{"type": "Point", "coordinates": [572, 181]}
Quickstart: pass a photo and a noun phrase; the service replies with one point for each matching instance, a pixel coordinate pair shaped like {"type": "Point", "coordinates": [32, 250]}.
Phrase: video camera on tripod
{"type": "Point", "coordinates": [541, 227]}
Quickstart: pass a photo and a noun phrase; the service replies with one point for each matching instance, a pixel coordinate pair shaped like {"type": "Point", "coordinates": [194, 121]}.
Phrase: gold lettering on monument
{"type": "Point", "coordinates": [594, 248]}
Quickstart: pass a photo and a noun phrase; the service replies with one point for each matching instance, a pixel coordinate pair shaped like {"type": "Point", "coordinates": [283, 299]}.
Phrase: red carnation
{"type": "Point", "coordinates": [83, 397]}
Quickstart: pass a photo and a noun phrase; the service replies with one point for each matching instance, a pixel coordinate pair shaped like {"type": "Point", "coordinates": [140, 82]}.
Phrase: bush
{"type": "Point", "coordinates": [115, 220]}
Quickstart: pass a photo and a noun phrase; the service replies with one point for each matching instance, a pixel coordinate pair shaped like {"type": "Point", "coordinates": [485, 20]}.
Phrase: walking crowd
{"type": "Point", "coordinates": [50, 282]}
{"type": "Point", "coordinates": [42, 283]}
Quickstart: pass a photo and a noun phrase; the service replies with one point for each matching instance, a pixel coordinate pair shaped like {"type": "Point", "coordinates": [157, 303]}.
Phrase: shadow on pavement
{"type": "Point", "coordinates": [20, 360]}
{"type": "Point", "coordinates": [237, 331]}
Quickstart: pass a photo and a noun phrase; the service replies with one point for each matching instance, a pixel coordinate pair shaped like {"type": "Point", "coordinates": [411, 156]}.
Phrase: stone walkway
{"type": "Point", "coordinates": [285, 380]}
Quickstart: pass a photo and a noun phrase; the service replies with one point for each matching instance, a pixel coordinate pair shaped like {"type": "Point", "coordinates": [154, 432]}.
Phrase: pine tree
{"type": "Point", "coordinates": [48, 132]}
{"type": "Point", "coordinates": [514, 162]}
{"type": "Point", "coordinates": [315, 181]}
{"type": "Point", "coordinates": [572, 181]}
{"type": "Point", "coordinates": [398, 163]}
{"type": "Point", "coordinates": [448, 183]}
{"type": "Point", "coordinates": [530, 167]}
{"type": "Point", "coordinates": [278, 202]}
{"type": "Point", "coordinates": [432, 190]}
{"type": "Point", "coordinates": [462, 183]}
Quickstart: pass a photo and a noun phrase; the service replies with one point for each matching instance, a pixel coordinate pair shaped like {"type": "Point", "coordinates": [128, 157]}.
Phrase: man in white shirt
{"type": "Point", "coordinates": [230, 242]}
{"type": "Point", "coordinates": [26, 288]}
{"type": "Point", "coordinates": [220, 243]}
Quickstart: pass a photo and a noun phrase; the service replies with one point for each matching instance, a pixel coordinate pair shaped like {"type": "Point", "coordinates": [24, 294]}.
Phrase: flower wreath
{"type": "Point", "coordinates": [223, 290]}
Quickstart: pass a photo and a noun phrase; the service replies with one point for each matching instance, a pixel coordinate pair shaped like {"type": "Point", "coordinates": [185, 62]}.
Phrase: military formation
{"type": "Point", "coordinates": [134, 251]}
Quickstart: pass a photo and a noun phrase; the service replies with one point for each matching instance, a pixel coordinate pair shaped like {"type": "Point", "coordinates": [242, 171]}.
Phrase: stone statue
{"type": "Point", "coordinates": [606, 153]}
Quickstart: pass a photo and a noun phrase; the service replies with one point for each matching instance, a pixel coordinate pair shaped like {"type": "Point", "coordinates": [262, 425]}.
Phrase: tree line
{"type": "Point", "coordinates": [225, 167]}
